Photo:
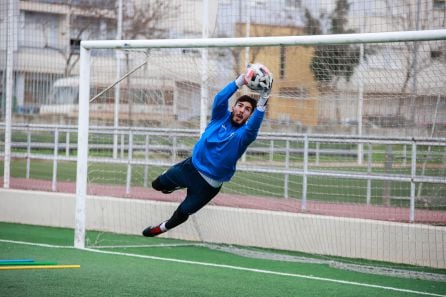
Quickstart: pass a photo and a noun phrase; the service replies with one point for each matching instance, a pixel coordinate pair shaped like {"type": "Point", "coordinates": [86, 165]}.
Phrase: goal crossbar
{"type": "Point", "coordinates": [381, 37]}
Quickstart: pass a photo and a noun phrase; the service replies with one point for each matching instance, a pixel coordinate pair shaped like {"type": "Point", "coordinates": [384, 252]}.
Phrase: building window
{"type": "Point", "coordinates": [436, 54]}
{"type": "Point", "coordinates": [282, 61]}
{"type": "Point", "coordinates": [40, 30]}
{"type": "Point", "coordinates": [439, 4]}
{"type": "Point", "coordinates": [293, 4]}
{"type": "Point", "coordinates": [258, 3]}
{"type": "Point", "coordinates": [75, 45]}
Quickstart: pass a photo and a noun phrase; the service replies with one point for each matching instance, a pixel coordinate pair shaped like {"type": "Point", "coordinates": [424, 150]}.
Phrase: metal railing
{"type": "Point", "coordinates": [305, 146]}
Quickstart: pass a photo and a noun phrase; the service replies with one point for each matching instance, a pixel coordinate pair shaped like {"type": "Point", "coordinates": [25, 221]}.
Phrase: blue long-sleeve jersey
{"type": "Point", "coordinates": [221, 145]}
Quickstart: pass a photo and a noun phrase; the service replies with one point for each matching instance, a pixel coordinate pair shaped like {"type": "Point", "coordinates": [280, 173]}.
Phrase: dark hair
{"type": "Point", "coordinates": [246, 98]}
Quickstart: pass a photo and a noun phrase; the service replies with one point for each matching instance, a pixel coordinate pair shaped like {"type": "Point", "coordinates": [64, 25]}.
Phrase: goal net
{"type": "Point", "coordinates": [350, 154]}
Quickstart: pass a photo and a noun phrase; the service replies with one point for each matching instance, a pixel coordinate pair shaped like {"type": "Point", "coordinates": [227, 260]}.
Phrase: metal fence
{"type": "Point", "coordinates": [303, 155]}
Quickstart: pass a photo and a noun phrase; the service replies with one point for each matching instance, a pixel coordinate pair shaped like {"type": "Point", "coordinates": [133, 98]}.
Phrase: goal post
{"type": "Point", "coordinates": [307, 153]}
{"type": "Point", "coordinates": [82, 152]}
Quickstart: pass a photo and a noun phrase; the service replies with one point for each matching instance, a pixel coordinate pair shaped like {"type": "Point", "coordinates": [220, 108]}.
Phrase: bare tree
{"type": "Point", "coordinates": [140, 21]}
{"type": "Point", "coordinates": [148, 20]}
{"type": "Point", "coordinates": [83, 19]}
{"type": "Point", "coordinates": [236, 52]}
{"type": "Point", "coordinates": [331, 62]}
{"type": "Point", "coordinates": [415, 17]}
{"type": "Point", "coordinates": [256, 30]}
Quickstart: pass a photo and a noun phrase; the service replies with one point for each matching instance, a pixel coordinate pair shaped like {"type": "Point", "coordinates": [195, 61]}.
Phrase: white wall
{"type": "Point", "coordinates": [375, 240]}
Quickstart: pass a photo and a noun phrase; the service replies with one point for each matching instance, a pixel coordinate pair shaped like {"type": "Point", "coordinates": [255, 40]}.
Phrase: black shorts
{"type": "Point", "coordinates": [185, 175]}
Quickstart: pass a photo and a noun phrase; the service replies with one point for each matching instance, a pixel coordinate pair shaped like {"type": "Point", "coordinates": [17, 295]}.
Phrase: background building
{"type": "Point", "coordinates": [46, 37]}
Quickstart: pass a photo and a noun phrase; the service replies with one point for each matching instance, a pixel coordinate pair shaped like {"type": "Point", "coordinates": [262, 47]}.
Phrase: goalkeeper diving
{"type": "Point", "coordinates": [216, 153]}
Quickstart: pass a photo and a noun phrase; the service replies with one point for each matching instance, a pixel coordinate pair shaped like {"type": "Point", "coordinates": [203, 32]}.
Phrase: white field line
{"type": "Point", "coordinates": [161, 245]}
{"type": "Point", "coordinates": [37, 244]}
{"type": "Point", "coordinates": [233, 268]}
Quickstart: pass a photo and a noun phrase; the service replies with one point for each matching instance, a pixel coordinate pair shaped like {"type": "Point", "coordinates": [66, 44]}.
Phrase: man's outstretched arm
{"type": "Point", "coordinates": [220, 105]}
{"type": "Point", "coordinates": [255, 121]}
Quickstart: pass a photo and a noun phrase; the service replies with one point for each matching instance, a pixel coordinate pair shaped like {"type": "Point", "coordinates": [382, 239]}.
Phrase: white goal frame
{"type": "Point", "coordinates": [204, 43]}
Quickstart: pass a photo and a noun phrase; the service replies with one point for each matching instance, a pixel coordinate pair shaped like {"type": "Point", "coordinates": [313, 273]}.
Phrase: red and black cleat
{"type": "Point", "coordinates": [152, 231]}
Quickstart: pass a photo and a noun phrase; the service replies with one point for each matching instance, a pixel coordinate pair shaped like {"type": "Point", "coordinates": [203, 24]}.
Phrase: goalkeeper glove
{"type": "Point", "coordinates": [240, 81]}
{"type": "Point", "coordinates": [264, 97]}
{"type": "Point", "coordinates": [245, 77]}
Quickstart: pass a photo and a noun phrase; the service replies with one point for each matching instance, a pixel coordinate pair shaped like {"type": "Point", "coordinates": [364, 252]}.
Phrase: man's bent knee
{"type": "Point", "coordinates": [166, 189]}
{"type": "Point", "coordinates": [156, 184]}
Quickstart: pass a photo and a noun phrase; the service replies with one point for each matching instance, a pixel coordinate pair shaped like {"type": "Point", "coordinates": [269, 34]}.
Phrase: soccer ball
{"type": "Point", "coordinates": [258, 77]}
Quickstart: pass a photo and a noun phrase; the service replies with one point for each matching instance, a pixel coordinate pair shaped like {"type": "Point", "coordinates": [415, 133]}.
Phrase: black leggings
{"type": "Point", "coordinates": [199, 192]}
